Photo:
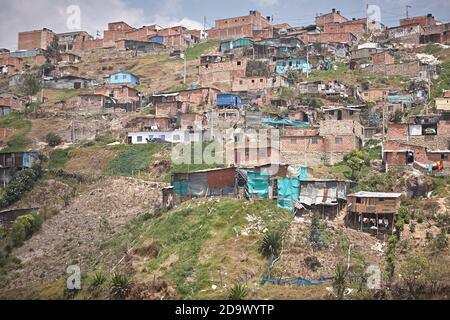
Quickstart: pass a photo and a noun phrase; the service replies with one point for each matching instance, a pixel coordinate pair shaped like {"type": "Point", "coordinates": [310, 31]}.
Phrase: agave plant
{"type": "Point", "coordinates": [120, 286]}
{"type": "Point", "coordinates": [237, 292]}
{"type": "Point", "coordinates": [271, 244]}
{"type": "Point", "coordinates": [97, 281]}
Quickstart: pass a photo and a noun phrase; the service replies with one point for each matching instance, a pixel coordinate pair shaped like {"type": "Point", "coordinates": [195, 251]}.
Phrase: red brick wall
{"type": "Point", "coordinates": [87, 44]}
{"type": "Point", "coordinates": [374, 94]}
{"type": "Point", "coordinates": [397, 131]}
{"type": "Point", "coordinates": [383, 58]}
{"type": "Point", "coordinates": [329, 18]}
{"type": "Point", "coordinates": [422, 20]}
{"type": "Point", "coordinates": [327, 37]}
{"type": "Point", "coordinates": [229, 33]}
{"type": "Point", "coordinates": [256, 20]}
{"type": "Point", "coordinates": [35, 39]}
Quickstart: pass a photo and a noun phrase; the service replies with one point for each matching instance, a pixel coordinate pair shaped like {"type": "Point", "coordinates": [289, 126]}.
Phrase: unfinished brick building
{"type": "Point", "coordinates": [423, 141]}
{"type": "Point", "coordinates": [324, 144]}
{"type": "Point", "coordinates": [329, 18]}
{"type": "Point", "coordinates": [35, 39]}
{"type": "Point", "coordinates": [253, 25]}
{"type": "Point", "coordinates": [217, 69]}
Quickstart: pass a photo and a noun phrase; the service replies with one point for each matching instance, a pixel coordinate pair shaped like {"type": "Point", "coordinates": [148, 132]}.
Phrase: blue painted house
{"type": "Point", "coordinates": [228, 100]}
{"type": "Point", "coordinates": [284, 66]}
{"type": "Point", "coordinates": [123, 77]}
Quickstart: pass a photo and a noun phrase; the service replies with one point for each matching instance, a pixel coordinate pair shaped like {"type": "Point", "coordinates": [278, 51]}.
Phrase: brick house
{"type": "Point", "coordinates": [10, 65]}
{"type": "Point", "coordinates": [95, 102]}
{"type": "Point", "coordinates": [35, 39]}
{"type": "Point", "coordinates": [217, 69]}
{"type": "Point", "coordinates": [424, 21]}
{"type": "Point", "coordinates": [342, 113]}
{"type": "Point", "coordinates": [253, 25]}
{"type": "Point", "coordinates": [257, 83]}
{"type": "Point", "coordinates": [12, 101]}
{"type": "Point", "coordinates": [123, 94]}
{"type": "Point", "coordinates": [423, 140]}
{"type": "Point", "coordinates": [385, 57]}
{"type": "Point", "coordinates": [323, 144]}
{"type": "Point", "coordinates": [375, 94]}
{"type": "Point", "coordinates": [329, 18]}
{"type": "Point", "coordinates": [151, 123]}
{"type": "Point", "coordinates": [172, 103]}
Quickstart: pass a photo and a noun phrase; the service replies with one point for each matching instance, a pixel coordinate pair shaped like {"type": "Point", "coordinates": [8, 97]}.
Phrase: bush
{"type": "Point", "coordinates": [412, 227]}
{"type": "Point", "coordinates": [120, 286]}
{"type": "Point", "coordinates": [420, 218]}
{"type": "Point", "coordinates": [237, 292]}
{"type": "Point", "coordinates": [315, 237]}
{"type": "Point", "coordinates": [441, 241]}
{"type": "Point", "coordinates": [22, 182]}
{"type": "Point", "coordinates": [271, 244]}
{"type": "Point", "coordinates": [97, 281]}
{"type": "Point", "coordinates": [53, 140]}
{"type": "Point", "coordinates": [403, 214]}
{"type": "Point", "coordinates": [339, 282]}
{"type": "Point", "coordinates": [24, 227]}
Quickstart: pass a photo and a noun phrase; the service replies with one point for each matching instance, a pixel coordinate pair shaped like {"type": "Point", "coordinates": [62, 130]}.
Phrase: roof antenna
{"type": "Point", "coordinates": [407, 11]}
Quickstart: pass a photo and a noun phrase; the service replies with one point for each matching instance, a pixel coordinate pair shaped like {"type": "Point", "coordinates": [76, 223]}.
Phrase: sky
{"type": "Point", "coordinates": [94, 15]}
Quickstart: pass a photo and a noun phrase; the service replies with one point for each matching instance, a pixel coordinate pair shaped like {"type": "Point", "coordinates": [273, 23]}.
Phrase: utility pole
{"type": "Point", "coordinates": [407, 11]}
{"type": "Point", "coordinates": [307, 61]}
{"type": "Point", "coordinates": [384, 117]}
{"type": "Point", "coordinates": [185, 65]}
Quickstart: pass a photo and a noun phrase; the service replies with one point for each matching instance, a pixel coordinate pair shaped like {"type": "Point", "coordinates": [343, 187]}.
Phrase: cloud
{"type": "Point", "coordinates": [265, 3]}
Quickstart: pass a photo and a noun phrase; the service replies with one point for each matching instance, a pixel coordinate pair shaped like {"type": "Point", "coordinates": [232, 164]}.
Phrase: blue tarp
{"type": "Point", "coordinates": [27, 158]}
{"type": "Point", "coordinates": [285, 122]}
{"type": "Point", "coordinates": [288, 193]}
{"type": "Point", "coordinates": [258, 183]}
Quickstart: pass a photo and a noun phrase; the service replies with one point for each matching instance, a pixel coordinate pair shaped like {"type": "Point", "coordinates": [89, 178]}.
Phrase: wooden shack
{"type": "Point", "coordinates": [373, 211]}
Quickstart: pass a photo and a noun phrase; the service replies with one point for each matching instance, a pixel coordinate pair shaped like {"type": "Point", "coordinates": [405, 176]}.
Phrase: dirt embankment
{"type": "Point", "coordinates": [74, 235]}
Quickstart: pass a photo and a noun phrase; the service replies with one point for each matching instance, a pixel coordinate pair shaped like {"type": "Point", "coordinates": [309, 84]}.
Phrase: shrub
{"type": "Point", "coordinates": [22, 182]}
{"type": "Point", "coordinates": [237, 292]}
{"type": "Point", "coordinates": [24, 227]}
{"type": "Point", "coordinates": [399, 227]}
{"type": "Point", "coordinates": [339, 282]}
{"type": "Point", "coordinates": [120, 286]}
{"type": "Point", "coordinates": [403, 213]}
{"type": "Point", "coordinates": [53, 140]}
{"type": "Point", "coordinates": [315, 237]}
{"type": "Point", "coordinates": [97, 281]}
{"type": "Point", "coordinates": [271, 244]}
{"type": "Point", "coordinates": [420, 218]}
{"type": "Point", "coordinates": [441, 241]}
{"type": "Point", "coordinates": [412, 227]}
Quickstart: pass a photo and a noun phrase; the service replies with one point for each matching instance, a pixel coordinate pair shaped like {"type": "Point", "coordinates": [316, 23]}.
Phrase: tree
{"type": "Point", "coordinates": [315, 237]}
{"type": "Point", "coordinates": [52, 53]}
{"type": "Point", "coordinates": [374, 119]}
{"type": "Point", "coordinates": [31, 85]}
{"type": "Point", "coordinates": [53, 140]}
{"type": "Point", "coordinates": [397, 117]}
{"type": "Point", "coordinates": [355, 160]}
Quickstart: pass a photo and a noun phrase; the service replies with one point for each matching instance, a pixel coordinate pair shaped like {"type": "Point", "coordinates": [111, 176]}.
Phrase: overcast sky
{"type": "Point", "coordinates": [22, 15]}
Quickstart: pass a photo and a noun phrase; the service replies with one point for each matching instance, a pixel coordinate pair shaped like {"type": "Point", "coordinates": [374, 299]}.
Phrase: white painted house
{"type": "Point", "coordinates": [176, 136]}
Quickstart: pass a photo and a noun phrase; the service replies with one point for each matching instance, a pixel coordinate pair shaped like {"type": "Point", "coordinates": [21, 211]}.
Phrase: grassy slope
{"type": "Point", "coordinates": [199, 247]}
{"type": "Point", "coordinates": [22, 126]}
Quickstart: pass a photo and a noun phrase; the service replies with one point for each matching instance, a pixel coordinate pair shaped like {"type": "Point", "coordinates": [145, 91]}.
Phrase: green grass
{"type": "Point", "coordinates": [63, 95]}
{"type": "Point", "coordinates": [185, 232]}
{"type": "Point", "coordinates": [341, 70]}
{"type": "Point", "coordinates": [58, 159]}
{"type": "Point", "coordinates": [196, 51]}
{"type": "Point", "coordinates": [131, 159]}
{"type": "Point", "coordinates": [441, 186]}
{"type": "Point", "coordinates": [443, 82]}
{"type": "Point", "coordinates": [19, 141]}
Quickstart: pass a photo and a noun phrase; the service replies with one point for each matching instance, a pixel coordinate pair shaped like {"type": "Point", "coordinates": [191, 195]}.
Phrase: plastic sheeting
{"type": "Point", "coordinates": [288, 192]}
{"type": "Point", "coordinates": [285, 122]}
{"type": "Point", "coordinates": [258, 184]}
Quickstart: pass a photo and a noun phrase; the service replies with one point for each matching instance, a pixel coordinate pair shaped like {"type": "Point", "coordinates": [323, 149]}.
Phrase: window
{"type": "Point", "coordinates": [444, 156]}
{"type": "Point", "coordinates": [293, 141]}
{"type": "Point", "coordinates": [253, 81]}
{"type": "Point", "coordinates": [124, 76]}
{"type": "Point", "coordinates": [359, 200]}
{"type": "Point", "coordinates": [381, 200]}
{"type": "Point", "coordinates": [261, 80]}
{"type": "Point", "coordinates": [116, 77]}
{"type": "Point", "coordinates": [390, 108]}
{"type": "Point", "coordinates": [176, 137]}
{"type": "Point", "coordinates": [239, 63]}
{"type": "Point", "coordinates": [338, 141]}
{"type": "Point", "coordinates": [351, 112]}
{"type": "Point", "coordinates": [139, 139]}
{"type": "Point", "coordinates": [241, 82]}
{"type": "Point", "coordinates": [314, 140]}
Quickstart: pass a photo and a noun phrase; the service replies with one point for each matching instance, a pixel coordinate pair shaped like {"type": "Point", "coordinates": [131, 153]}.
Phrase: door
{"type": "Point", "coordinates": [339, 115]}
{"type": "Point", "coordinates": [77, 85]}
{"type": "Point", "coordinates": [410, 157]}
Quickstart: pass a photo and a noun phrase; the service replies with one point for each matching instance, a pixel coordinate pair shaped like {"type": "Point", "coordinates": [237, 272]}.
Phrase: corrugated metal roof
{"type": "Point", "coordinates": [366, 194]}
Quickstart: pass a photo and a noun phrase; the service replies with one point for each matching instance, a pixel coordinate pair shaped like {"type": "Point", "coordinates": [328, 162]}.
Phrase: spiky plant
{"type": "Point", "coordinates": [97, 281]}
{"type": "Point", "coordinates": [339, 282]}
{"type": "Point", "coordinates": [120, 286]}
{"type": "Point", "coordinates": [271, 244]}
{"type": "Point", "coordinates": [237, 292]}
